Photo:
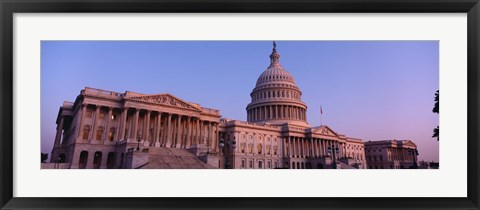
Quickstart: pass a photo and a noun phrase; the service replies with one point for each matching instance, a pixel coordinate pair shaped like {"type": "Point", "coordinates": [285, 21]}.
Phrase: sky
{"type": "Point", "coordinates": [372, 90]}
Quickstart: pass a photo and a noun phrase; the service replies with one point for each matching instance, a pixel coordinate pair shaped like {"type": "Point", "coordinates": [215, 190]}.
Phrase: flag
{"type": "Point", "coordinates": [321, 111]}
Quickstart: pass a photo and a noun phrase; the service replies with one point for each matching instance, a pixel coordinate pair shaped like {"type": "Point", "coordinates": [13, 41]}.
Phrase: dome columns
{"type": "Point", "coordinates": [276, 112]}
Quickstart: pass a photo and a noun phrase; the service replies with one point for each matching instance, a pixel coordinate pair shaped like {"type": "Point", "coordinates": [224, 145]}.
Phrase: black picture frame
{"type": "Point", "coordinates": [10, 7]}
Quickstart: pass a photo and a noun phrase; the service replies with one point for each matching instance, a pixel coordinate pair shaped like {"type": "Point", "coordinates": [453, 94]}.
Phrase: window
{"type": "Point", "coordinates": [242, 147]}
{"type": "Point", "coordinates": [102, 115]}
{"type": "Point", "coordinates": [242, 165]}
{"type": "Point", "coordinates": [276, 164]}
{"type": "Point", "coordinates": [259, 149]}
{"type": "Point", "coordinates": [111, 160]}
{"type": "Point", "coordinates": [269, 164]}
{"type": "Point", "coordinates": [111, 134]}
{"type": "Point", "coordinates": [260, 164]}
{"type": "Point", "coordinates": [250, 164]}
{"type": "Point", "coordinates": [114, 116]}
{"type": "Point", "coordinates": [250, 148]}
{"type": "Point", "coordinates": [89, 113]}
{"type": "Point", "coordinates": [86, 131]}
{"type": "Point", "coordinates": [275, 148]}
{"type": "Point", "coordinates": [97, 159]}
{"type": "Point", "coordinates": [268, 149]}
{"type": "Point", "coordinates": [82, 163]}
{"type": "Point", "coordinates": [98, 135]}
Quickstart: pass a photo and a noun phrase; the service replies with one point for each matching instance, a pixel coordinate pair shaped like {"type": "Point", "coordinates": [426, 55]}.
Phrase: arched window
{"type": "Point", "coordinates": [99, 133]}
{"type": "Point", "coordinates": [111, 160]}
{"type": "Point", "coordinates": [111, 134]}
{"type": "Point", "coordinates": [82, 163]}
{"type": "Point", "coordinates": [259, 149]}
{"type": "Point", "coordinates": [86, 131]}
{"type": "Point", "coordinates": [97, 159]}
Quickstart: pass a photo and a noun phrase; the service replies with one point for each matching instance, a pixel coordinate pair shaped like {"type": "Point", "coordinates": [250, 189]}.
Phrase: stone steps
{"type": "Point", "coordinates": [173, 158]}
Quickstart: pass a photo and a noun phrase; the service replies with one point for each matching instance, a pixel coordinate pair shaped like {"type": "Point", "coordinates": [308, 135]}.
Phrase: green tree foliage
{"type": "Point", "coordinates": [436, 109]}
{"type": "Point", "coordinates": [44, 157]}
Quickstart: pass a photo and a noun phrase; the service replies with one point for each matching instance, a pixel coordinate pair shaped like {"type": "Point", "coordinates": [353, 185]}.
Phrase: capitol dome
{"type": "Point", "coordinates": [276, 98]}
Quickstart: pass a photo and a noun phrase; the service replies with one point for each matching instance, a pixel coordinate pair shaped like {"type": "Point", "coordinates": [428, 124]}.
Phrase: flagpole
{"type": "Point", "coordinates": [321, 116]}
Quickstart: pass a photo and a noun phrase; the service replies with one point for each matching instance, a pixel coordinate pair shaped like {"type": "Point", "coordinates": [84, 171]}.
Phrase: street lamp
{"type": "Point", "coordinates": [138, 142]}
{"type": "Point", "coordinates": [227, 144]}
{"type": "Point", "coordinates": [330, 151]}
{"type": "Point", "coordinates": [414, 153]}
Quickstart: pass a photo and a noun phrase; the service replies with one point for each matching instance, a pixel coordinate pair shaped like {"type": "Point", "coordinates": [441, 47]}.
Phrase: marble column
{"type": "Point", "coordinates": [123, 123]}
{"type": "Point", "coordinates": [215, 146]}
{"type": "Point", "coordinates": [164, 129]}
{"type": "Point", "coordinates": [146, 128]}
{"type": "Point", "coordinates": [197, 131]}
{"type": "Point", "coordinates": [168, 140]}
{"type": "Point", "coordinates": [157, 136]}
{"type": "Point", "coordinates": [135, 125]}
{"type": "Point", "coordinates": [188, 142]}
{"type": "Point", "coordinates": [107, 123]}
{"type": "Point", "coordinates": [81, 120]}
{"type": "Point", "coordinates": [294, 142]}
{"type": "Point", "coordinates": [179, 132]}
{"type": "Point", "coordinates": [94, 127]}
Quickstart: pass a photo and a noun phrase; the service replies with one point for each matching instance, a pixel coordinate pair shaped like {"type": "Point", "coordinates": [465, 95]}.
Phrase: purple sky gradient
{"type": "Point", "coordinates": [373, 90]}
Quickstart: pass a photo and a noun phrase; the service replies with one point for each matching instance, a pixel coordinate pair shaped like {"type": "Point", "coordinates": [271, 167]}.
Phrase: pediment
{"type": "Point", "coordinates": [409, 143]}
{"type": "Point", "coordinates": [325, 130]}
{"type": "Point", "coordinates": [164, 99]}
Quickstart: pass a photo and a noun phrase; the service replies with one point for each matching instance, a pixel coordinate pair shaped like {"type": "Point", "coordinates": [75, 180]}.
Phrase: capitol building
{"type": "Point", "coordinates": [104, 129]}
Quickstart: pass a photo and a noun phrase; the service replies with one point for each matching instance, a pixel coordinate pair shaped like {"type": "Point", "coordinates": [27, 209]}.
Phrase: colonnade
{"type": "Point", "coordinates": [157, 128]}
{"type": "Point", "coordinates": [399, 154]}
{"type": "Point", "coordinates": [297, 147]}
{"type": "Point", "coordinates": [270, 112]}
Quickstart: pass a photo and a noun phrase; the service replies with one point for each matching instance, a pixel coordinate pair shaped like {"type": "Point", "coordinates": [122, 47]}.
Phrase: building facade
{"type": "Point", "coordinates": [391, 154]}
{"type": "Point", "coordinates": [106, 129]}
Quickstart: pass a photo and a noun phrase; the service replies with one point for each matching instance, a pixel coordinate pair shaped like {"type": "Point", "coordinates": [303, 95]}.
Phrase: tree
{"type": "Point", "coordinates": [44, 157]}
{"type": "Point", "coordinates": [436, 109]}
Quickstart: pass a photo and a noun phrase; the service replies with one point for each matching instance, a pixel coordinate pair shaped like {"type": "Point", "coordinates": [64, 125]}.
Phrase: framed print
{"type": "Point", "coordinates": [313, 104]}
